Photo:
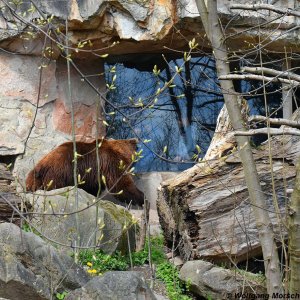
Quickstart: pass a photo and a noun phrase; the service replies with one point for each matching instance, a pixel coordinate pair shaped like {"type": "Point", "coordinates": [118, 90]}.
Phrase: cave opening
{"type": "Point", "coordinates": [178, 123]}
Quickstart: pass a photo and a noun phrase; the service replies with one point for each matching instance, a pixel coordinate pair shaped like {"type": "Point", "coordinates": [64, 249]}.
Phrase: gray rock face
{"type": "Point", "coordinates": [18, 97]}
{"type": "Point", "coordinates": [208, 280]}
{"type": "Point", "coordinates": [107, 224]}
{"type": "Point", "coordinates": [114, 286]}
{"type": "Point", "coordinates": [32, 269]}
{"type": "Point", "coordinates": [32, 131]}
{"type": "Point", "coordinates": [138, 20]}
{"type": "Point", "coordinates": [33, 121]}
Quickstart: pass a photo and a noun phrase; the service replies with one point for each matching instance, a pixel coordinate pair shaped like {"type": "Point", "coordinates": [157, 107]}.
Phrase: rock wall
{"type": "Point", "coordinates": [153, 24]}
{"type": "Point", "coordinates": [33, 121]}
{"type": "Point", "coordinates": [35, 111]}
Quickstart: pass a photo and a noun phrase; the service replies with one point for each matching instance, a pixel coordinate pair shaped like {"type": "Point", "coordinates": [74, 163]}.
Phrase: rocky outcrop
{"type": "Point", "coordinates": [114, 285]}
{"type": "Point", "coordinates": [32, 269]}
{"type": "Point", "coordinates": [55, 218]}
{"type": "Point", "coordinates": [153, 23]}
{"type": "Point", "coordinates": [35, 120]}
{"type": "Point", "coordinates": [209, 281]}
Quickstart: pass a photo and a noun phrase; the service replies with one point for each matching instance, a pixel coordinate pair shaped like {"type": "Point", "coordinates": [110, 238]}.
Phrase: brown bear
{"type": "Point", "coordinates": [55, 170]}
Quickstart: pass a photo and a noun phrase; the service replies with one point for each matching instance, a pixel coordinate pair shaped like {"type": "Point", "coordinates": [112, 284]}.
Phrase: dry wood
{"type": "Point", "coordinates": [5, 174]}
{"type": "Point", "coordinates": [294, 237]}
{"type": "Point", "coordinates": [271, 131]}
{"type": "Point", "coordinates": [141, 239]}
{"type": "Point", "coordinates": [259, 70]}
{"type": "Point", "coordinates": [208, 208]}
{"type": "Point", "coordinates": [275, 121]}
{"type": "Point", "coordinates": [223, 139]}
{"type": "Point", "coordinates": [259, 77]}
{"type": "Point", "coordinates": [287, 11]}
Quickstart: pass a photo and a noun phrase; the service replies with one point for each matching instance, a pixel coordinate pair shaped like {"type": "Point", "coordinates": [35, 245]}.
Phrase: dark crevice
{"type": "Point", "coordinates": [8, 160]}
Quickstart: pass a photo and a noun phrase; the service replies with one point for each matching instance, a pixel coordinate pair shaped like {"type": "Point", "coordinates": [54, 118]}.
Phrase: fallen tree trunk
{"type": "Point", "coordinates": [207, 207]}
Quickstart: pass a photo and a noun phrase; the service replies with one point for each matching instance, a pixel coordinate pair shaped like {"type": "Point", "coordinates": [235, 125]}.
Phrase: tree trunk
{"type": "Point", "coordinates": [210, 20]}
{"type": "Point", "coordinates": [294, 237]}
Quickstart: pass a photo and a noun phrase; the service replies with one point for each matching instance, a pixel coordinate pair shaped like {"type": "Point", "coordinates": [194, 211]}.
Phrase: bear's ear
{"type": "Point", "coordinates": [128, 148]}
{"type": "Point", "coordinates": [132, 144]}
{"type": "Point", "coordinates": [125, 148]}
{"type": "Point", "coordinates": [38, 171]}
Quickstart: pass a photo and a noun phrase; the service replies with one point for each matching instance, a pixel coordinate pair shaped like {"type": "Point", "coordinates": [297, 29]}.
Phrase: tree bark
{"type": "Point", "coordinates": [275, 121]}
{"type": "Point", "coordinates": [269, 131]}
{"type": "Point", "coordinates": [210, 20]}
{"type": "Point", "coordinates": [294, 237]}
{"type": "Point", "coordinates": [207, 207]}
{"type": "Point", "coordinates": [287, 93]}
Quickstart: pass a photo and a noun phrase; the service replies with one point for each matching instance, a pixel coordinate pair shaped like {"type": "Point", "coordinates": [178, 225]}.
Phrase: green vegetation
{"type": "Point", "coordinates": [169, 274]}
{"type": "Point", "coordinates": [98, 262]}
{"type": "Point", "coordinates": [61, 296]}
{"type": "Point", "coordinates": [259, 278]}
{"type": "Point", "coordinates": [26, 227]}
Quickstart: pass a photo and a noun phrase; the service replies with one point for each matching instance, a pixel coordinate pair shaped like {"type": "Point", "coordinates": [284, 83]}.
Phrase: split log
{"type": "Point", "coordinates": [224, 139]}
{"type": "Point", "coordinates": [207, 207]}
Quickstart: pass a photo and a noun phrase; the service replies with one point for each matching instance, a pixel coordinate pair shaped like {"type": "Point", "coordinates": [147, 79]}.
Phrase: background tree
{"type": "Point", "coordinates": [210, 20]}
{"type": "Point", "coordinates": [294, 236]}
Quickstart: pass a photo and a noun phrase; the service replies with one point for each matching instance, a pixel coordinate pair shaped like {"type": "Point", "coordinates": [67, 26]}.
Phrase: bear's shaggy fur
{"type": "Point", "coordinates": [57, 166]}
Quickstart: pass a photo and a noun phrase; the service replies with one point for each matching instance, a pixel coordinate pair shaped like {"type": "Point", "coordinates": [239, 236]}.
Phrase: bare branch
{"type": "Point", "coordinates": [287, 12]}
{"type": "Point", "coordinates": [259, 70]}
{"type": "Point", "coordinates": [271, 131]}
{"type": "Point", "coordinates": [258, 77]}
{"type": "Point", "coordinates": [275, 121]}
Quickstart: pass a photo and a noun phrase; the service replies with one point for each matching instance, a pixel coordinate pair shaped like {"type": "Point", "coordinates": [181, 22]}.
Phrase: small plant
{"type": "Point", "coordinates": [157, 252]}
{"type": "Point", "coordinates": [26, 227]}
{"type": "Point", "coordinates": [259, 278]}
{"type": "Point", "coordinates": [169, 274]}
{"type": "Point", "coordinates": [140, 258]}
{"type": "Point", "coordinates": [97, 262]}
{"type": "Point", "coordinates": [61, 296]}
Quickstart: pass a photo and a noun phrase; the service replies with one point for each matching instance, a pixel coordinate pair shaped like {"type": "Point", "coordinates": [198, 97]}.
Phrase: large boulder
{"type": "Point", "coordinates": [207, 280]}
{"type": "Point", "coordinates": [116, 285]}
{"type": "Point", "coordinates": [101, 223]}
{"type": "Point", "coordinates": [31, 269]}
